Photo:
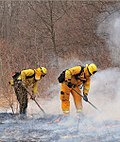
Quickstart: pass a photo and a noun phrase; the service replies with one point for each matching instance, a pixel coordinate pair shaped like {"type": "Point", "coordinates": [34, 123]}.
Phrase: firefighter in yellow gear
{"type": "Point", "coordinates": [74, 78]}
{"type": "Point", "coordinates": [21, 81]}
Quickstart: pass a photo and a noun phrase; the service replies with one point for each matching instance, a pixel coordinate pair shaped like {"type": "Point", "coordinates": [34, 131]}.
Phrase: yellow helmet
{"type": "Point", "coordinates": [38, 72]}
{"type": "Point", "coordinates": [92, 68]}
{"type": "Point", "coordinates": [44, 70]}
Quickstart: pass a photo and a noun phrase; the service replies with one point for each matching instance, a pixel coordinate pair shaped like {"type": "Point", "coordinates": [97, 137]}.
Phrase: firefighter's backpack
{"type": "Point", "coordinates": [61, 77]}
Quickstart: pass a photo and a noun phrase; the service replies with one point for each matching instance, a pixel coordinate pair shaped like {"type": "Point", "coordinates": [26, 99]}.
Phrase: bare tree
{"type": "Point", "coordinates": [42, 33]}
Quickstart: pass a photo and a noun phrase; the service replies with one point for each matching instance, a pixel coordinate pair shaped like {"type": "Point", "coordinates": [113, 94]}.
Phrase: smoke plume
{"type": "Point", "coordinates": [109, 29]}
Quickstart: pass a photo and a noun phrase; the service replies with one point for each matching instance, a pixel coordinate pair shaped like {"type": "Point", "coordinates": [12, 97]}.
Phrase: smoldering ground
{"type": "Point", "coordinates": [103, 125]}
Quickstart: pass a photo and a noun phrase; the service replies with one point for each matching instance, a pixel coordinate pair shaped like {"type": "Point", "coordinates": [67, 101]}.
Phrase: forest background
{"type": "Point", "coordinates": [53, 34]}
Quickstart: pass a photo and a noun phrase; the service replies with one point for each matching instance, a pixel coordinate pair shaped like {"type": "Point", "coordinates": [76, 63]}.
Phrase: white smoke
{"type": "Point", "coordinates": [109, 29]}
{"type": "Point", "coordinates": [105, 92]}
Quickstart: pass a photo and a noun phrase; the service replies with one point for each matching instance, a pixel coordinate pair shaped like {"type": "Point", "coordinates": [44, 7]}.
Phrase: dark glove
{"type": "Point", "coordinates": [69, 84]}
{"type": "Point", "coordinates": [85, 97]}
{"type": "Point", "coordinates": [22, 84]}
{"type": "Point", "coordinates": [33, 96]}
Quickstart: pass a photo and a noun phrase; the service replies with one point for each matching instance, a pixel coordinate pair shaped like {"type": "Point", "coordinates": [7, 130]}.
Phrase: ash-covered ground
{"type": "Point", "coordinates": [44, 129]}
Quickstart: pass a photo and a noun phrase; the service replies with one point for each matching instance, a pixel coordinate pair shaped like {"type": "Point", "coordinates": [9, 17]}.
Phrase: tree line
{"type": "Point", "coordinates": [53, 34]}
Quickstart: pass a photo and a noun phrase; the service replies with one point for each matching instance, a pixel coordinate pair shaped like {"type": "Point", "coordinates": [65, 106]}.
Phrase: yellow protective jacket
{"type": "Point", "coordinates": [76, 77]}
{"type": "Point", "coordinates": [28, 78]}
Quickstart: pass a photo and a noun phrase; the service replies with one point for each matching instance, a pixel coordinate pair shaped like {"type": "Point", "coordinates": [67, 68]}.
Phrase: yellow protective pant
{"type": "Point", "coordinates": [65, 96]}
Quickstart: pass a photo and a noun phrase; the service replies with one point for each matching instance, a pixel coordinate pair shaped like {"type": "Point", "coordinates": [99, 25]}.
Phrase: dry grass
{"type": "Point", "coordinates": [5, 102]}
